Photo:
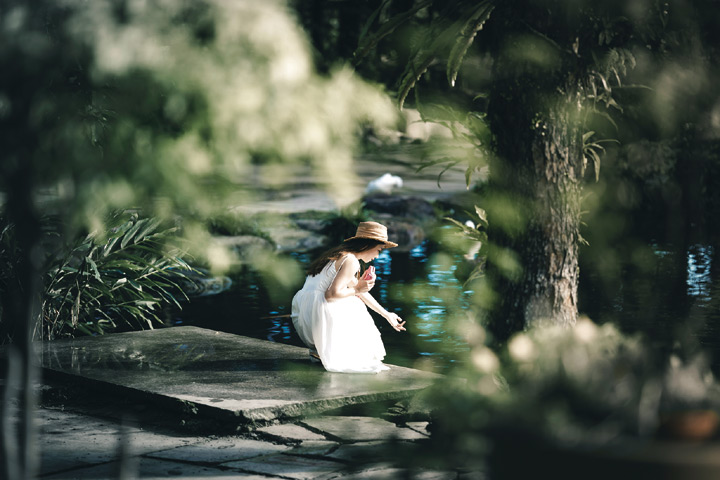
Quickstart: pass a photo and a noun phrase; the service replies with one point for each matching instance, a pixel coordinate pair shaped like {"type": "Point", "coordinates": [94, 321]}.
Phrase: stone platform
{"type": "Point", "coordinates": [220, 376]}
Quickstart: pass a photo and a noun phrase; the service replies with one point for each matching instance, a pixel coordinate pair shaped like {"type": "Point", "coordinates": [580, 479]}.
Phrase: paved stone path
{"type": "Point", "coordinates": [81, 446]}
{"type": "Point", "coordinates": [187, 402]}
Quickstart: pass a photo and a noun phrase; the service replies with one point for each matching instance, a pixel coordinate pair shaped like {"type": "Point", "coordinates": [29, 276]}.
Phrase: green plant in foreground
{"type": "Point", "coordinates": [476, 234]}
{"type": "Point", "coordinates": [124, 278]}
{"type": "Point", "coordinates": [568, 388]}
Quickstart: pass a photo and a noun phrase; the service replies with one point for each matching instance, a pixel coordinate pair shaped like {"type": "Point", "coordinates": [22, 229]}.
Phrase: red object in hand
{"type": "Point", "coordinates": [369, 273]}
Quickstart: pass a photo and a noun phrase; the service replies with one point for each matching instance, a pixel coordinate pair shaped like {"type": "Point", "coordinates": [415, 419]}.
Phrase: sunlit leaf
{"type": "Point", "coordinates": [131, 232]}
{"type": "Point", "coordinates": [482, 214]}
{"type": "Point", "coordinates": [94, 268]}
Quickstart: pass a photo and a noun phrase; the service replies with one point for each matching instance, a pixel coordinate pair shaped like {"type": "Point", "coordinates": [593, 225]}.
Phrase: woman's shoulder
{"type": "Point", "coordinates": [349, 259]}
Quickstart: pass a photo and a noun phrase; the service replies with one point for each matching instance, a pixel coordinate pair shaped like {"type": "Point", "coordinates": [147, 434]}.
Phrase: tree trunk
{"type": "Point", "coordinates": [538, 177]}
{"type": "Point", "coordinates": [18, 453]}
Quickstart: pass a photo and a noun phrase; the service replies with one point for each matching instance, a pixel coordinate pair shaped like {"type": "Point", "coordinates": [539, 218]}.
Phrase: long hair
{"type": "Point", "coordinates": [355, 245]}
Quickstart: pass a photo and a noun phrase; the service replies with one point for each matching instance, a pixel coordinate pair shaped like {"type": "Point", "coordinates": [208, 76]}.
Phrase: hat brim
{"type": "Point", "coordinates": [387, 243]}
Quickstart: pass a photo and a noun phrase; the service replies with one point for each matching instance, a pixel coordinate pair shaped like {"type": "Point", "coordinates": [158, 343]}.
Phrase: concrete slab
{"type": "Point", "coordinates": [69, 441]}
{"type": "Point", "coordinates": [288, 466]}
{"type": "Point", "coordinates": [150, 468]}
{"type": "Point", "coordinates": [289, 431]}
{"type": "Point", "coordinates": [358, 429]}
{"type": "Point", "coordinates": [420, 427]}
{"type": "Point", "coordinates": [392, 473]}
{"type": "Point", "coordinates": [221, 450]}
{"type": "Point", "coordinates": [78, 446]}
{"type": "Point", "coordinates": [313, 448]}
{"type": "Point", "coordinates": [363, 452]}
{"type": "Point", "coordinates": [245, 381]}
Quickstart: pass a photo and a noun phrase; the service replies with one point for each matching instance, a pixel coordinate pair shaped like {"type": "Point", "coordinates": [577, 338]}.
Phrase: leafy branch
{"type": "Point", "coordinates": [592, 151]}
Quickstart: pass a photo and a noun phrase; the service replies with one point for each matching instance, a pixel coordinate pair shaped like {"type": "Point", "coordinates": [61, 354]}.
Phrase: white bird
{"type": "Point", "coordinates": [384, 184]}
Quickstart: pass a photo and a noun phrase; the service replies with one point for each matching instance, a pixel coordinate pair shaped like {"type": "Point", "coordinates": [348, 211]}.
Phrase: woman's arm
{"type": "Point", "coordinates": [392, 318]}
{"type": "Point", "coordinates": [346, 283]}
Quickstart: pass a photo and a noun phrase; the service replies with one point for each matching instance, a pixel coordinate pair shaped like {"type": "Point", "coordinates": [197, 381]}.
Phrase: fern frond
{"type": "Point", "coordinates": [369, 42]}
{"type": "Point", "coordinates": [414, 70]}
{"type": "Point", "coordinates": [476, 21]}
{"type": "Point", "coordinates": [436, 42]}
{"type": "Point", "coordinates": [371, 20]}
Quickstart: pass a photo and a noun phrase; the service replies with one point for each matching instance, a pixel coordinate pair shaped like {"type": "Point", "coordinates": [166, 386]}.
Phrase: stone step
{"type": "Point", "coordinates": [221, 376]}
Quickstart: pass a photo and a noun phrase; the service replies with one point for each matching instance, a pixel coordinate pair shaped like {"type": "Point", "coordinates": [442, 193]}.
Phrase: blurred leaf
{"type": "Point", "coordinates": [468, 176]}
{"type": "Point", "coordinates": [477, 16]}
{"type": "Point", "coordinates": [367, 43]}
{"type": "Point", "coordinates": [482, 215]}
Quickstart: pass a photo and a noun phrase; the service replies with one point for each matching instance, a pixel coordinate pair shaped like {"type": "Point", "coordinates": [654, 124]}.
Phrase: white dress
{"type": "Point", "coordinates": [341, 331]}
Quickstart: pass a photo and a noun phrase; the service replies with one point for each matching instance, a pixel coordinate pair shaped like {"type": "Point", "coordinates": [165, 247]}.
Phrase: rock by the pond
{"type": "Point", "coordinates": [244, 245]}
{"type": "Point", "coordinates": [298, 240]}
{"type": "Point", "coordinates": [406, 217]}
{"type": "Point", "coordinates": [400, 206]}
{"type": "Point", "coordinates": [200, 283]}
{"type": "Point", "coordinates": [406, 234]}
{"type": "Point", "coordinates": [310, 224]}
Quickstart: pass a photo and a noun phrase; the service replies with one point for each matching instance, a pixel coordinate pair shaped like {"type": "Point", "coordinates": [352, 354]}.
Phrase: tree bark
{"type": "Point", "coordinates": [539, 173]}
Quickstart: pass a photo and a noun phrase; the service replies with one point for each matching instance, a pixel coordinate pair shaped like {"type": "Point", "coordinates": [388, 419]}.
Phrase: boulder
{"type": "Point", "coordinates": [400, 206]}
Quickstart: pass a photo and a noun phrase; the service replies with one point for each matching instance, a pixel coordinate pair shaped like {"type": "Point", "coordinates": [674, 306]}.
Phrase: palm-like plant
{"type": "Point", "coordinates": [123, 278]}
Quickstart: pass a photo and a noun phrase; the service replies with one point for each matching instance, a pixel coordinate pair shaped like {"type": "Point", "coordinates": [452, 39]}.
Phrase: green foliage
{"type": "Point", "coordinates": [612, 67]}
{"type": "Point", "coordinates": [120, 279]}
{"type": "Point", "coordinates": [232, 224]}
{"type": "Point", "coordinates": [586, 386]}
{"type": "Point", "coordinates": [589, 49]}
{"type": "Point", "coordinates": [469, 146]}
{"type": "Point", "coordinates": [450, 33]}
{"type": "Point", "coordinates": [476, 234]}
{"type": "Point", "coordinates": [369, 41]}
{"type": "Point", "coordinates": [592, 151]}
{"type": "Point", "coordinates": [476, 17]}
{"type": "Point", "coordinates": [170, 108]}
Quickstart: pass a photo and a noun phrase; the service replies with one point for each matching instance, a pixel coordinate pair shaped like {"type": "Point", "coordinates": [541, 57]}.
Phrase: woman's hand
{"type": "Point", "coordinates": [396, 322]}
{"type": "Point", "coordinates": [364, 286]}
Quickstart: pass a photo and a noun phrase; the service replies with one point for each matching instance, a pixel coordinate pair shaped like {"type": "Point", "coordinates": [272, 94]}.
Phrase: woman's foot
{"type": "Point", "coordinates": [314, 357]}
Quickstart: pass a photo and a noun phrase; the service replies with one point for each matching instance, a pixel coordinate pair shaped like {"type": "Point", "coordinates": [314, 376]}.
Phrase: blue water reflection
{"type": "Point", "coordinates": [699, 268]}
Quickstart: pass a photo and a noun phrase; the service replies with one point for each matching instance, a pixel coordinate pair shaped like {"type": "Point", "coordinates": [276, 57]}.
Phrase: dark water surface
{"type": "Point", "coordinates": [668, 292]}
{"type": "Point", "coordinates": [671, 294]}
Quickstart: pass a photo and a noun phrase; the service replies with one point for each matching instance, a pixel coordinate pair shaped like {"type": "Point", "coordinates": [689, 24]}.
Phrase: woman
{"type": "Point", "coordinates": [330, 311]}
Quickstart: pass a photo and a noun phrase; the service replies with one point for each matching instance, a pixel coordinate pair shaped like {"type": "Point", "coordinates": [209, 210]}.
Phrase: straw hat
{"type": "Point", "coordinates": [374, 231]}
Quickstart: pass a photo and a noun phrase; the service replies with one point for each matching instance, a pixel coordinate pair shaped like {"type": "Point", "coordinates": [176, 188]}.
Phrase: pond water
{"type": "Point", "coordinates": [668, 293]}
